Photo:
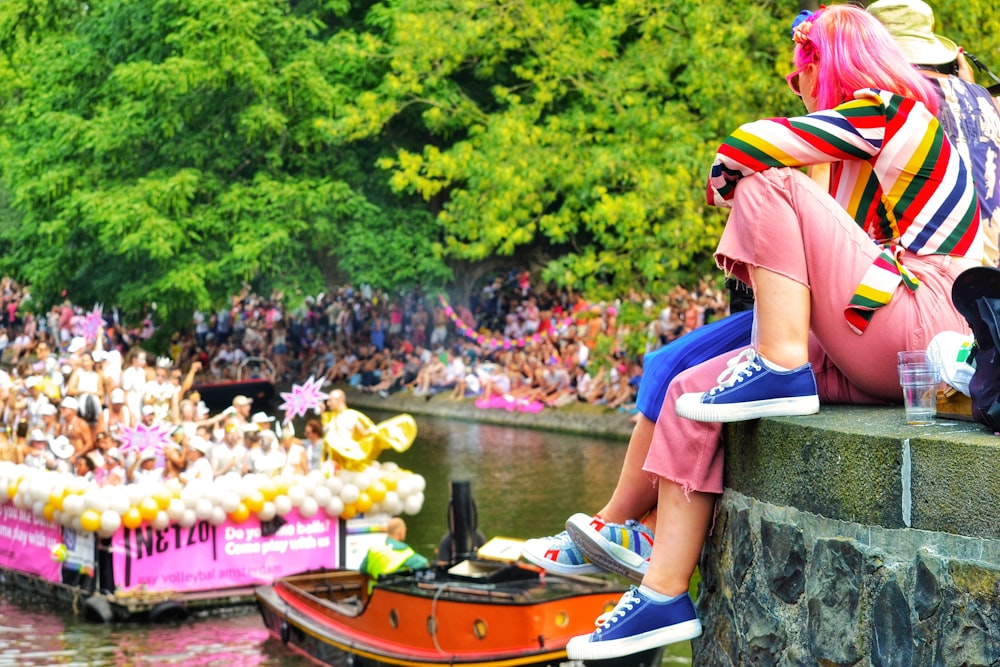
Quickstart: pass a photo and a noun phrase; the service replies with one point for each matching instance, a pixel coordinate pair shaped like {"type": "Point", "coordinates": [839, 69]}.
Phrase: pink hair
{"type": "Point", "coordinates": [853, 50]}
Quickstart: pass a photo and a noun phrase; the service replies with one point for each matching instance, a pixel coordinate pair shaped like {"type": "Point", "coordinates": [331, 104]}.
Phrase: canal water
{"type": "Point", "coordinates": [525, 484]}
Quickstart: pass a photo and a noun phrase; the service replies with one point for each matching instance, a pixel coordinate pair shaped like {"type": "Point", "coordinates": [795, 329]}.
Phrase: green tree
{"type": "Point", "coordinates": [167, 150]}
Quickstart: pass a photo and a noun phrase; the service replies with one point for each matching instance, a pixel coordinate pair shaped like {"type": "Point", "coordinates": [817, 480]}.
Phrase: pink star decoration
{"type": "Point", "coordinates": [303, 398]}
{"type": "Point", "coordinates": [142, 437]}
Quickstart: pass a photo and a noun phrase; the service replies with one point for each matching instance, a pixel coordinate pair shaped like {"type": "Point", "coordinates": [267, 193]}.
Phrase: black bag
{"type": "Point", "coordinates": [976, 295]}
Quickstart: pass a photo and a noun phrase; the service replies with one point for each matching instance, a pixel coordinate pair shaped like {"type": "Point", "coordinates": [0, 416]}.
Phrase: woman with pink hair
{"type": "Point", "coordinates": [843, 279]}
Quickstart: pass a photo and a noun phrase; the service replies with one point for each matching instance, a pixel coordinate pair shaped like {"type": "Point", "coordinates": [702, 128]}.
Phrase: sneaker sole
{"type": "Point", "coordinates": [581, 648]}
{"type": "Point", "coordinates": [605, 554]}
{"type": "Point", "coordinates": [559, 568]}
{"type": "Point", "coordinates": [693, 408]}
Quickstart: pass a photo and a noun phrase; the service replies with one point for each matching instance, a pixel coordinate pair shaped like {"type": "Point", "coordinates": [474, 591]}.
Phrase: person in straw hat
{"type": "Point", "coordinates": [968, 113]}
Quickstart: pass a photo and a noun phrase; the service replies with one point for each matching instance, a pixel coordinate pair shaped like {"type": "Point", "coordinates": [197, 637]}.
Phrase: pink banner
{"type": "Point", "coordinates": [207, 557]}
{"type": "Point", "coordinates": [26, 543]}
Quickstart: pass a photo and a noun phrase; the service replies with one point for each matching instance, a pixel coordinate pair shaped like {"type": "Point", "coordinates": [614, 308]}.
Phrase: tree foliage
{"type": "Point", "coordinates": [163, 150]}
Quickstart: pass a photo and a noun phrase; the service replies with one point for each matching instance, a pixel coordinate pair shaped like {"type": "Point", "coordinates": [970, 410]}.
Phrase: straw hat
{"type": "Point", "coordinates": [911, 23]}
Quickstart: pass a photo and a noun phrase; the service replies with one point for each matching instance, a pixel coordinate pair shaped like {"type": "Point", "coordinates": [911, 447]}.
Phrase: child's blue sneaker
{"type": "Point", "coordinates": [619, 548]}
{"type": "Point", "coordinates": [750, 389]}
{"type": "Point", "coordinates": [637, 624]}
{"type": "Point", "coordinates": [557, 554]}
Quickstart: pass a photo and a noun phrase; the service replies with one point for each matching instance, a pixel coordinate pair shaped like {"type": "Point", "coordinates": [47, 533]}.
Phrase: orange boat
{"type": "Point", "coordinates": [468, 611]}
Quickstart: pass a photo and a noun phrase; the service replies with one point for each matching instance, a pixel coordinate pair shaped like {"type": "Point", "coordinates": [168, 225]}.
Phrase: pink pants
{"type": "Point", "coordinates": [782, 221]}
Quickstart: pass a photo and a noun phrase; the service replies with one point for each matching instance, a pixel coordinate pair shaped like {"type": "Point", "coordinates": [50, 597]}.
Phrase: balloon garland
{"type": "Point", "coordinates": [491, 342]}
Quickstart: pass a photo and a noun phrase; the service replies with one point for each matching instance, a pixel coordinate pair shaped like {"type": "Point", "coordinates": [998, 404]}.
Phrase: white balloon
{"type": "Point", "coordinates": [322, 495]}
{"type": "Point", "coordinates": [111, 521]}
{"type": "Point", "coordinates": [335, 507]}
{"type": "Point", "coordinates": [161, 521]}
{"type": "Point", "coordinates": [190, 496]}
{"type": "Point", "coordinates": [38, 508]}
{"type": "Point", "coordinates": [203, 508]}
{"type": "Point", "coordinates": [362, 481]}
{"type": "Point", "coordinates": [413, 503]}
{"type": "Point", "coordinates": [391, 503]}
{"type": "Point", "coordinates": [218, 516]}
{"type": "Point", "coordinates": [309, 507]}
{"type": "Point", "coordinates": [72, 504]}
{"type": "Point", "coordinates": [118, 501]}
{"type": "Point", "coordinates": [96, 500]}
{"type": "Point", "coordinates": [176, 509]}
{"type": "Point", "coordinates": [390, 466]}
{"type": "Point", "coordinates": [418, 482]}
{"type": "Point", "coordinates": [189, 519]}
{"type": "Point", "coordinates": [230, 501]}
{"type": "Point", "coordinates": [135, 494]}
{"type": "Point", "coordinates": [282, 505]}
{"type": "Point", "coordinates": [296, 495]}
{"type": "Point", "coordinates": [349, 494]}
{"type": "Point", "coordinates": [267, 511]}
{"type": "Point", "coordinates": [404, 487]}
{"type": "Point", "coordinates": [335, 484]}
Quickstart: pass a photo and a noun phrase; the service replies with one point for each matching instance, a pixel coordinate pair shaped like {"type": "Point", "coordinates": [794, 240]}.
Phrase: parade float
{"type": "Point", "coordinates": [162, 550]}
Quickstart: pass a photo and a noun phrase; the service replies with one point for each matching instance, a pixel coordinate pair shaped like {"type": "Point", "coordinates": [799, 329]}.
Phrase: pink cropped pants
{"type": "Point", "coordinates": [784, 222]}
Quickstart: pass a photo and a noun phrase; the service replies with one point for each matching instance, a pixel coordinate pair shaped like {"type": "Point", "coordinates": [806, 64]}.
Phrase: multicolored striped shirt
{"type": "Point", "coordinates": [892, 169]}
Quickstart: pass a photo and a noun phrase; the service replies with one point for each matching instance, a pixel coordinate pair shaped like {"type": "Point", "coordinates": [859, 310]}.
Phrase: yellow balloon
{"type": "Point", "coordinates": [162, 498]}
{"type": "Point", "coordinates": [90, 520]}
{"type": "Point", "coordinates": [255, 501]}
{"type": "Point", "coordinates": [56, 498]}
{"type": "Point", "coordinates": [240, 514]}
{"type": "Point", "coordinates": [148, 508]}
{"type": "Point", "coordinates": [364, 502]}
{"type": "Point", "coordinates": [48, 512]}
{"type": "Point", "coordinates": [132, 518]}
{"type": "Point", "coordinates": [350, 511]}
{"type": "Point", "coordinates": [268, 489]}
{"type": "Point", "coordinates": [389, 481]}
{"type": "Point", "coordinates": [377, 491]}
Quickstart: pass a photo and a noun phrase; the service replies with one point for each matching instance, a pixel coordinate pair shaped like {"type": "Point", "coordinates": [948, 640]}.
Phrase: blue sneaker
{"type": "Point", "coordinates": [621, 549]}
{"type": "Point", "coordinates": [557, 554]}
{"type": "Point", "coordinates": [749, 389]}
{"type": "Point", "coordinates": [637, 624]}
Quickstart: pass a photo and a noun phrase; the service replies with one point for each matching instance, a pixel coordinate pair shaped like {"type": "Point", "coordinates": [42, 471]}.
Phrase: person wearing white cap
{"type": "Point", "coordinates": [38, 455]}
{"type": "Point", "coordinates": [969, 115]}
{"type": "Point", "coordinates": [144, 468]}
{"type": "Point", "coordinates": [198, 467]}
{"type": "Point", "coordinates": [117, 415]}
{"type": "Point", "coordinates": [75, 427]}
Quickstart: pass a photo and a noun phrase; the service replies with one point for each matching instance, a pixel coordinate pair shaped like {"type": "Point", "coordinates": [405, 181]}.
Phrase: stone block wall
{"type": "Point", "coordinates": [850, 580]}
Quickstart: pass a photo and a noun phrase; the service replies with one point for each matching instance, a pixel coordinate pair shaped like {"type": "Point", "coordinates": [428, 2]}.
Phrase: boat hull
{"type": "Point", "coordinates": [438, 621]}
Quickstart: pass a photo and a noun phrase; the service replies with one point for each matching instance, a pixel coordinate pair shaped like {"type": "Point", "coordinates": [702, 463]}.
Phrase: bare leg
{"type": "Point", "coordinates": [681, 527]}
{"type": "Point", "coordinates": [783, 311]}
{"type": "Point", "coordinates": [635, 494]}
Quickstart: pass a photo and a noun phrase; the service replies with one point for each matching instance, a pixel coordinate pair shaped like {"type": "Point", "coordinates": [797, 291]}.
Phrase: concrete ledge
{"type": "Point", "coordinates": [865, 465]}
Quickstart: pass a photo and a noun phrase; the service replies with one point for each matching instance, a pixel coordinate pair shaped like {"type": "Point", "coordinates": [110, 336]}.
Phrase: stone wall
{"type": "Point", "coordinates": [835, 571]}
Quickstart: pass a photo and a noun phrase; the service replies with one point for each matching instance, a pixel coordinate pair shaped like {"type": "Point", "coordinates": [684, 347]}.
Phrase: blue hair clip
{"type": "Point", "coordinates": [802, 16]}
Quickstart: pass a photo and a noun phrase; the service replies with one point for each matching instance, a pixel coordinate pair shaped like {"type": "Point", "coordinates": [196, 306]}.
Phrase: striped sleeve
{"type": "Point", "coordinates": [852, 131]}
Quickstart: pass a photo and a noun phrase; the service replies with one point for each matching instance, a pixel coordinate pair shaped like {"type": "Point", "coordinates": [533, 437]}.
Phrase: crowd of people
{"type": "Point", "coordinates": [76, 389]}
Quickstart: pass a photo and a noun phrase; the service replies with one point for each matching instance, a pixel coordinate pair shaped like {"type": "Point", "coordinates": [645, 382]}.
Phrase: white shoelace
{"type": "Point", "coordinates": [740, 366]}
{"type": "Point", "coordinates": [624, 605]}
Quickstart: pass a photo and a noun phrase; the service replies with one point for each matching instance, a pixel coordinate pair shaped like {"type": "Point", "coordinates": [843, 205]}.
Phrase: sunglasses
{"type": "Point", "coordinates": [793, 80]}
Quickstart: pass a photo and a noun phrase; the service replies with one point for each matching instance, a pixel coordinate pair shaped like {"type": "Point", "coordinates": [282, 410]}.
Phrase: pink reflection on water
{"type": "Point", "coordinates": [31, 637]}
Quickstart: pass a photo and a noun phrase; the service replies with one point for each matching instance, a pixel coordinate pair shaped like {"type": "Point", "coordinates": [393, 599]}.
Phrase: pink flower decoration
{"type": "Point", "coordinates": [93, 323]}
{"type": "Point", "coordinates": [303, 398]}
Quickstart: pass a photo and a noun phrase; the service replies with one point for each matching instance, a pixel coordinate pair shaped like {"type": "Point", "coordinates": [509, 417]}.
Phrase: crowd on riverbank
{"type": "Point", "coordinates": [73, 372]}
